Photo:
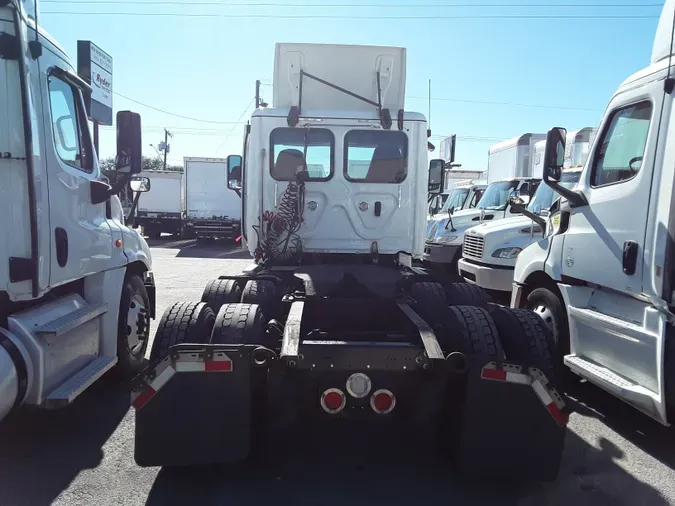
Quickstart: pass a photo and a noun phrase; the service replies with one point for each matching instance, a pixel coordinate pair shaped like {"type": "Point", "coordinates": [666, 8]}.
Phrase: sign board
{"type": "Point", "coordinates": [446, 150]}
{"type": "Point", "coordinates": [95, 66]}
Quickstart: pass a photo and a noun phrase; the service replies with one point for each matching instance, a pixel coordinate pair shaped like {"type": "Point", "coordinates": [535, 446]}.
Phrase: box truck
{"type": "Point", "coordinates": [162, 209]}
{"type": "Point", "coordinates": [212, 209]}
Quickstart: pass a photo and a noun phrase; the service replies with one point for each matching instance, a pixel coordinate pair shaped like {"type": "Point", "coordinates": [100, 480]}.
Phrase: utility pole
{"type": "Point", "coordinates": [167, 134]}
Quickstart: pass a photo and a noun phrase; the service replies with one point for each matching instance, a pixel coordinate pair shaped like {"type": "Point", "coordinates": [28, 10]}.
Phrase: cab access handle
{"type": "Point", "coordinates": [630, 256]}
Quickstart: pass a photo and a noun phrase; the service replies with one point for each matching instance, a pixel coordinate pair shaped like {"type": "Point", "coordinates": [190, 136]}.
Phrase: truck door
{"type": "Point", "coordinates": [81, 238]}
{"type": "Point", "coordinates": [603, 255]}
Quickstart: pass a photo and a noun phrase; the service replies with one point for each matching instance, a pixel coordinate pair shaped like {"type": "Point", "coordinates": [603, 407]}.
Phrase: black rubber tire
{"type": "Point", "coordinates": [526, 339]}
{"type": "Point", "coordinates": [156, 234]}
{"type": "Point", "coordinates": [470, 330]}
{"type": "Point", "coordinates": [130, 364]}
{"type": "Point", "coordinates": [239, 324]}
{"type": "Point", "coordinates": [466, 294]}
{"type": "Point", "coordinates": [546, 297]}
{"type": "Point", "coordinates": [262, 292]}
{"type": "Point", "coordinates": [184, 322]}
{"type": "Point", "coordinates": [431, 301]}
{"type": "Point", "coordinates": [221, 291]}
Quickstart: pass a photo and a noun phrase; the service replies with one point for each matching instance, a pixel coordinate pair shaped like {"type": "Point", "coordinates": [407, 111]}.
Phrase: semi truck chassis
{"type": "Point", "coordinates": [271, 356]}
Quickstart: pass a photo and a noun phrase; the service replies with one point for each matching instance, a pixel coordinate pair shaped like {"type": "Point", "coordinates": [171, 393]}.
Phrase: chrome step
{"type": "Point", "coordinates": [78, 383]}
{"type": "Point", "coordinates": [632, 393]}
{"type": "Point", "coordinates": [72, 320]}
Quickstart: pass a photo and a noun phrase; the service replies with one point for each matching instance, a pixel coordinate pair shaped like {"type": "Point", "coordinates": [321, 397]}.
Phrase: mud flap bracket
{"type": "Point", "coordinates": [194, 406]}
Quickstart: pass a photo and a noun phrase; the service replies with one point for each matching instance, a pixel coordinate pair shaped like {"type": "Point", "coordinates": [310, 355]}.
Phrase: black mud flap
{"type": "Point", "coordinates": [194, 406]}
{"type": "Point", "coordinates": [513, 424]}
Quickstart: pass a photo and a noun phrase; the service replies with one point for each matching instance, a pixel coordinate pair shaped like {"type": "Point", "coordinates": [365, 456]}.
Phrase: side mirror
{"type": "Point", "coordinates": [129, 142]}
{"type": "Point", "coordinates": [554, 158]}
{"type": "Point", "coordinates": [234, 172]}
{"type": "Point", "coordinates": [436, 176]}
{"type": "Point", "coordinates": [451, 210]}
{"type": "Point", "coordinates": [139, 184]}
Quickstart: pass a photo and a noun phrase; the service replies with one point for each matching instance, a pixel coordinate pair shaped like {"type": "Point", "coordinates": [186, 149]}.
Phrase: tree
{"type": "Point", "coordinates": [149, 163]}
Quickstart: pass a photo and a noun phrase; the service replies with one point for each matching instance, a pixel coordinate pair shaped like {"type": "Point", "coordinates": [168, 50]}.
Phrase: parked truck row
{"type": "Point", "coordinates": [193, 203]}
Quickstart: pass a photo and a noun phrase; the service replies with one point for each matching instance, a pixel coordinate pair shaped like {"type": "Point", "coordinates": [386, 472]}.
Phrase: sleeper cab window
{"type": "Point", "coordinates": [287, 153]}
{"type": "Point", "coordinates": [69, 125]}
{"type": "Point", "coordinates": [376, 156]}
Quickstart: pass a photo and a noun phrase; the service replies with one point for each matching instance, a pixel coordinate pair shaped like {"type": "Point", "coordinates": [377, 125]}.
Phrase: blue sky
{"type": "Point", "coordinates": [205, 67]}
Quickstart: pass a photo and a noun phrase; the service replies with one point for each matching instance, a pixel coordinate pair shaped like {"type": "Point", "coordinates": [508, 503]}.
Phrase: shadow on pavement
{"type": "Point", "coordinates": [41, 452]}
{"type": "Point", "coordinates": [191, 248]}
{"type": "Point", "coordinates": [645, 433]}
{"type": "Point", "coordinates": [588, 476]}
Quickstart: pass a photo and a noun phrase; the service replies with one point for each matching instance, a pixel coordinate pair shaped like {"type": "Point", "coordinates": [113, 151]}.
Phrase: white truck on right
{"type": "Point", "coordinates": [603, 279]}
{"type": "Point", "coordinates": [212, 209]}
{"type": "Point", "coordinates": [490, 250]}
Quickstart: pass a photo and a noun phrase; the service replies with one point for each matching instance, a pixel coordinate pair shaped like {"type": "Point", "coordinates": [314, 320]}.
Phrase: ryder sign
{"type": "Point", "coordinates": [95, 66]}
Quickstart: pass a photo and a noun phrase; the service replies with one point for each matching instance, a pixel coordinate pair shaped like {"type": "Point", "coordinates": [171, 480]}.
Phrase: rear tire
{"type": "Point", "coordinates": [431, 300]}
{"type": "Point", "coordinates": [466, 294]}
{"type": "Point", "coordinates": [221, 291]}
{"type": "Point", "coordinates": [526, 339]}
{"type": "Point", "coordinates": [184, 322]}
{"type": "Point", "coordinates": [262, 292]}
{"type": "Point", "coordinates": [239, 324]}
{"type": "Point", "coordinates": [470, 330]}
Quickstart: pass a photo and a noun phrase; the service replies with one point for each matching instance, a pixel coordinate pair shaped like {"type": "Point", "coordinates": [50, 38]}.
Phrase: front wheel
{"type": "Point", "coordinates": [133, 327]}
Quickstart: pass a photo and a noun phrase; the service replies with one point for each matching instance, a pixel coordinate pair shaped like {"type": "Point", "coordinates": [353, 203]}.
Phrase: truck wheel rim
{"type": "Point", "coordinates": [137, 325]}
{"type": "Point", "coordinates": [547, 316]}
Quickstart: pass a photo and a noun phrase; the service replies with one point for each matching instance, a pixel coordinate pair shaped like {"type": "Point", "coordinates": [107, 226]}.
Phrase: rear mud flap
{"type": "Point", "coordinates": [184, 418]}
{"type": "Point", "coordinates": [513, 424]}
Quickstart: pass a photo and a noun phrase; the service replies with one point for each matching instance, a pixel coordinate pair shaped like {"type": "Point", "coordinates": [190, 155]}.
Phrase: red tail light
{"type": "Point", "coordinates": [333, 400]}
{"type": "Point", "coordinates": [383, 401]}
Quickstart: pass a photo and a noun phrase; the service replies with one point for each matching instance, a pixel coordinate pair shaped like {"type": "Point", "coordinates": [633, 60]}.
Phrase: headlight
{"type": "Point", "coordinates": [446, 239]}
{"type": "Point", "coordinates": [507, 253]}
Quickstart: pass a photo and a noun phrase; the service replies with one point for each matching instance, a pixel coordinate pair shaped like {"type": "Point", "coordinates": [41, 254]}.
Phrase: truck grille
{"type": "Point", "coordinates": [473, 246]}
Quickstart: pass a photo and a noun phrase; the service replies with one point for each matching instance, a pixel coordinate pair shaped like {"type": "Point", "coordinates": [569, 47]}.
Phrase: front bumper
{"type": "Point", "coordinates": [487, 277]}
{"type": "Point", "coordinates": [441, 253]}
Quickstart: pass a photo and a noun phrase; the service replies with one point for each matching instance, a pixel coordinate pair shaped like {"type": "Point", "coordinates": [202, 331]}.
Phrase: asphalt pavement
{"type": "Point", "coordinates": [83, 455]}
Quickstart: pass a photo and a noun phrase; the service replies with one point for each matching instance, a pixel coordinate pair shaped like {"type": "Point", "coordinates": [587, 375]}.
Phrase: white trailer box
{"type": "Point", "coordinates": [513, 158]}
{"type": "Point", "coordinates": [453, 177]}
{"type": "Point", "coordinates": [162, 208]}
{"type": "Point", "coordinates": [213, 210]}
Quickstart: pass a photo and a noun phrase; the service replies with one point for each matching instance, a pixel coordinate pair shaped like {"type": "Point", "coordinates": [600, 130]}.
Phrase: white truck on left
{"type": "Point", "coordinates": [76, 285]}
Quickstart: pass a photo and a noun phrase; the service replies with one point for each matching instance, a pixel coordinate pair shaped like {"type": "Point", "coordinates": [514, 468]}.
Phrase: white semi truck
{"type": "Point", "coordinates": [212, 210]}
{"type": "Point", "coordinates": [490, 250]}
{"type": "Point", "coordinates": [331, 334]}
{"type": "Point", "coordinates": [511, 168]}
{"type": "Point", "coordinates": [162, 209]}
{"type": "Point", "coordinates": [76, 285]}
{"type": "Point", "coordinates": [603, 279]}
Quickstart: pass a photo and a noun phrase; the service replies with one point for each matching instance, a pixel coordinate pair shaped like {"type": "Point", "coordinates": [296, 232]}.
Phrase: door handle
{"type": "Point", "coordinates": [61, 242]}
{"type": "Point", "coordinates": [630, 255]}
{"type": "Point", "coordinates": [378, 208]}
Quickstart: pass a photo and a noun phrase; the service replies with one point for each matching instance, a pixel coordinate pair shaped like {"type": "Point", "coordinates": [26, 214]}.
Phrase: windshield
{"type": "Point", "coordinates": [545, 195]}
{"type": "Point", "coordinates": [456, 199]}
{"type": "Point", "coordinates": [496, 196]}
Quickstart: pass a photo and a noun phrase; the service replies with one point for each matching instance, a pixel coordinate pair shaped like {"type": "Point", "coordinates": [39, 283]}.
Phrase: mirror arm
{"type": "Point", "coordinates": [576, 198]}
{"type": "Point", "coordinates": [131, 216]}
{"type": "Point", "coordinates": [534, 217]}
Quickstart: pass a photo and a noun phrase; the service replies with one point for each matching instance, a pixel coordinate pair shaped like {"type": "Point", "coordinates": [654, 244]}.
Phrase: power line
{"type": "Point", "coordinates": [313, 16]}
{"type": "Point", "coordinates": [174, 114]}
{"type": "Point", "coordinates": [443, 99]}
{"type": "Point", "coordinates": [376, 5]}
{"type": "Point", "coordinates": [232, 130]}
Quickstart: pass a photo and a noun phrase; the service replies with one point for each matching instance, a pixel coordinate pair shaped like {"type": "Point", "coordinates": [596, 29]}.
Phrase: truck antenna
{"type": "Point", "coordinates": [669, 84]}
{"type": "Point", "coordinates": [429, 121]}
